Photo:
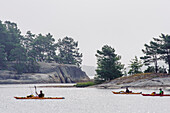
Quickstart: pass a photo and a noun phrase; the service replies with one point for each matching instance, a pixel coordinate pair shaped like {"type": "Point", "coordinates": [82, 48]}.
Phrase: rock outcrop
{"type": "Point", "coordinates": [145, 80]}
{"type": "Point", "coordinates": [49, 73]}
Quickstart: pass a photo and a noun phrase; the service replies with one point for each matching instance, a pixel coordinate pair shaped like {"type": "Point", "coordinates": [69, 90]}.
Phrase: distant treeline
{"type": "Point", "coordinates": [25, 51]}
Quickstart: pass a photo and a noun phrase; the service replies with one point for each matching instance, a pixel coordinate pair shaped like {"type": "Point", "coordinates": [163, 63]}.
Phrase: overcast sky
{"type": "Point", "coordinates": [126, 25]}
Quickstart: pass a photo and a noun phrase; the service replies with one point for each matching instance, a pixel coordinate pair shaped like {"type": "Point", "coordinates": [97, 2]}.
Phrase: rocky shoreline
{"type": "Point", "coordinates": [49, 73]}
{"type": "Point", "coordinates": [144, 81]}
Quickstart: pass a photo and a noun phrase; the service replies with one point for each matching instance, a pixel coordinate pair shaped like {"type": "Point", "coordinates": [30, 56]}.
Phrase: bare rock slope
{"type": "Point", "coordinates": [139, 81]}
{"type": "Point", "coordinates": [49, 73]}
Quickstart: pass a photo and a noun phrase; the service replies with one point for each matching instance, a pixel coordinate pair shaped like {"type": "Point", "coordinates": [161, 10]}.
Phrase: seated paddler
{"type": "Point", "coordinates": [161, 92]}
{"type": "Point", "coordinates": [127, 90]}
{"type": "Point", "coordinates": [41, 94]}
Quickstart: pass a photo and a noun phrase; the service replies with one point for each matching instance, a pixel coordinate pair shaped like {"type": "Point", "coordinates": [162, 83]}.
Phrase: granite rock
{"type": "Point", "coordinates": [48, 73]}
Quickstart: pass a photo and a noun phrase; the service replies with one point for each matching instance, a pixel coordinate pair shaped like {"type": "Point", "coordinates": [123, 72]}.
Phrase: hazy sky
{"type": "Point", "coordinates": [126, 25]}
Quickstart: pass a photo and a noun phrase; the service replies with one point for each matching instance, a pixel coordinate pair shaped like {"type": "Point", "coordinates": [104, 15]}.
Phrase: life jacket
{"type": "Point", "coordinates": [41, 95]}
{"type": "Point", "coordinates": [161, 92]}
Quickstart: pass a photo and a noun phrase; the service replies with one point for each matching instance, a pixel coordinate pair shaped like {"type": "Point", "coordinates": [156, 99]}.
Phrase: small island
{"type": "Point", "coordinates": [141, 81]}
{"type": "Point", "coordinates": [38, 58]}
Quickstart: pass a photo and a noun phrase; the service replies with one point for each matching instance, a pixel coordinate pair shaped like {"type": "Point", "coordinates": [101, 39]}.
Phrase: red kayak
{"type": "Point", "coordinates": [155, 95]}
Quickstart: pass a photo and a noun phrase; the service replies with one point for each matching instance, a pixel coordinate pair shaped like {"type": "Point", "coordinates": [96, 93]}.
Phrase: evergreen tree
{"type": "Point", "coordinates": [28, 41]}
{"type": "Point", "coordinates": [2, 57]}
{"type": "Point", "coordinates": [12, 38]}
{"type": "Point", "coordinates": [18, 55]}
{"type": "Point", "coordinates": [151, 54]}
{"type": "Point", "coordinates": [68, 52]}
{"type": "Point", "coordinates": [150, 69]}
{"type": "Point", "coordinates": [44, 47]}
{"type": "Point", "coordinates": [162, 70]}
{"type": "Point", "coordinates": [15, 47]}
{"type": "Point", "coordinates": [3, 35]}
{"type": "Point", "coordinates": [164, 51]}
{"type": "Point", "coordinates": [135, 66]}
{"type": "Point", "coordinates": [108, 63]}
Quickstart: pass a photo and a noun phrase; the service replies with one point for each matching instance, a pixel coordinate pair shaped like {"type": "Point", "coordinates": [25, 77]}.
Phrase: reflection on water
{"type": "Point", "coordinates": [79, 100]}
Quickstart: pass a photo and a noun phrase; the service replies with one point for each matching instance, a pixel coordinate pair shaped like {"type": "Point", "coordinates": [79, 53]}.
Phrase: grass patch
{"type": "Point", "coordinates": [85, 84]}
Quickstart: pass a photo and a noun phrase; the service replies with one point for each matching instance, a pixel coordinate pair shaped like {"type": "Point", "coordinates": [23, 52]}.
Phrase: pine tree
{"type": "Point", "coordinates": [164, 51]}
{"type": "Point", "coordinates": [108, 63]}
{"type": "Point", "coordinates": [151, 54]}
{"type": "Point", "coordinates": [68, 52]}
{"type": "Point", "coordinates": [135, 66]}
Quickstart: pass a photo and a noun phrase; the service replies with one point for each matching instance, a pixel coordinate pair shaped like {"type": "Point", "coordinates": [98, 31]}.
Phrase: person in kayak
{"type": "Point", "coordinates": [41, 94]}
{"type": "Point", "coordinates": [161, 92]}
{"type": "Point", "coordinates": [127, 90]}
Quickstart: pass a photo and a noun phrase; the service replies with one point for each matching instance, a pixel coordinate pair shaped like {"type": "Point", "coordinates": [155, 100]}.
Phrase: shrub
{"type": "Point", "coordinates": [85, 84]}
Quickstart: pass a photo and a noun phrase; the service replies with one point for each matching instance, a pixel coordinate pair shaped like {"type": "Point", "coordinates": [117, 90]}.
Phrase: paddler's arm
{"type": "Point", "coordinates": [36, 90]}
{"type": "Point", "coordinates": [36, 93]}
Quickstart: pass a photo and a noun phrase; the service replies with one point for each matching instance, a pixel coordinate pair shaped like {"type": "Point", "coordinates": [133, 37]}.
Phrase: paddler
{"type": "Point", "coordinates": [41, 94]}
{"type": "Point", "coordinates": [161, 92]}
{"type": "Point", "coordinates": [127, 90]}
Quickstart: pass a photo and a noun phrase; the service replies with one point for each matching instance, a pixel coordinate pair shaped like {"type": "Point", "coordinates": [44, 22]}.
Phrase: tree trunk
{"type": "Point", "coordinates": [169, 67]}
{"type": "Point", "coordinates": [156, 67]}
{"type": "Point", "coordinates": [169, 63]}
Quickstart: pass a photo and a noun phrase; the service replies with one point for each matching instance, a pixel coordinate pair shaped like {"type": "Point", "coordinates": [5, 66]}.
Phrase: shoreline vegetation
{"type": "Point", "coordinates": [79, 84]}
{"type": "Point", "coordinates": [57, 86]}
{"type": "Point", "coordinates": [85, 84]}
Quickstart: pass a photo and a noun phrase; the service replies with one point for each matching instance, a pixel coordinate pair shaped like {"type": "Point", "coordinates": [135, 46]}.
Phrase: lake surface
{"type": "Point", "coordinates": [79, 100]}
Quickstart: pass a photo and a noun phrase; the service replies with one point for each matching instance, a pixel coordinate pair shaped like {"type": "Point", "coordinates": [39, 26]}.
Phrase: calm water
{"type": "Point", "coordinates": [80, 100]}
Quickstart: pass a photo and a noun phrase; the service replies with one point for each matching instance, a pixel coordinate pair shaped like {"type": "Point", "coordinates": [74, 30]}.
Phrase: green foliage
{"type": "Point", "coordinates": [162, 70]}
{"type": "Point", "coordinates": [108, 63]}
{"type": "Point", "coordinates": [159, 49]}
{"type": "Point", "coordinates": [18, 54]}
{"type": "Point", "coordinates": [98, 80]}
{"type": "Point", "coordinates": [151, 54]}
{"type": "Point", "coordinates": [150, 69]}
{"type": "Point", "coordinates": [27, 41]}
{"type": "Point", "coordinates": [32, 66]}
{"type": "Point", "coordinates": [135, 66]}
{"type": "Point", "coordinates": [13, 47]}
{"type": "Point", "coordinates": [164, 51]}
{"type": "Point", "coordinates": [25, 51]}
{"type": "Point", "coordinates": [19, 67]}
{"type": "Point", "coordinates": [44, 47]}
{"type": "Point", "coordinates": [11, 39]}
{"type": "Point", "coordinates": [85, 84]}
{"type": "Point", "coordinates": [26, 67]}
{"type": "Point", "coordinates": [2, 57]}
{"type": "Point", "coordinates": [68, 52]}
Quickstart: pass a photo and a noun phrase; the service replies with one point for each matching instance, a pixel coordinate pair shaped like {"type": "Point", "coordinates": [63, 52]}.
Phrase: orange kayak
{"type": "Point", "coordinates": [39, 97]}
{"type": "Point", "coordinates": [122, 92]}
